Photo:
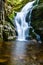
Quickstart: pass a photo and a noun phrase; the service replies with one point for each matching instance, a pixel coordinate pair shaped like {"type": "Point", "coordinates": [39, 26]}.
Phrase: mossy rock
{"type": "Point", "coordinates": [37, 20]}
{"type": "Point", "coordinates": [41, 1]}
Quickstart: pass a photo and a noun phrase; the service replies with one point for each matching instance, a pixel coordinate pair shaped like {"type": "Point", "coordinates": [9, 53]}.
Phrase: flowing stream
{"type": "Point", "coordinates": [20, 20]}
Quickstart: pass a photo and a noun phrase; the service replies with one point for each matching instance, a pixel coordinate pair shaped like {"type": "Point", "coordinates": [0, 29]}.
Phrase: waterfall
{"type": "Point", "coordinates": [20, 20]}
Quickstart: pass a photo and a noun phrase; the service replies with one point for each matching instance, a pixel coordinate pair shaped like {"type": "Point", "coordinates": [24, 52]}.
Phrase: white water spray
{"type": "Point", "coordinates": [20, 20]}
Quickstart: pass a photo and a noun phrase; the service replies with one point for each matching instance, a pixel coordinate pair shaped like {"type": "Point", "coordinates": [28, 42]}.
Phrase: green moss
{"type": "Point", "coordinates": [11, 16]}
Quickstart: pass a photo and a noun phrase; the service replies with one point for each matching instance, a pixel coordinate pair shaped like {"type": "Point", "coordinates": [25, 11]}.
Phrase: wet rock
{"type": "Point", "coordinates": [34, 40]}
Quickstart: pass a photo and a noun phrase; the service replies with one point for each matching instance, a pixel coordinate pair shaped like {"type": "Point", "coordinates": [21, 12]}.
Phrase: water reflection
{"type": "Point", "coordinates": [19, 48]}
{"type": "Point", "coordinates": [21, 53]}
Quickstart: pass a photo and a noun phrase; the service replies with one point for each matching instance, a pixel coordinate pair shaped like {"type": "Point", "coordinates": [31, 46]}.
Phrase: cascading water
{"type": "Point", "coordinates": [20, 20]}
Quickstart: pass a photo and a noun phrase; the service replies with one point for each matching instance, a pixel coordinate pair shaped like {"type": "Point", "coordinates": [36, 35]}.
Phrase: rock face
{"type": "Point", "coordinates": [37, 19]}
